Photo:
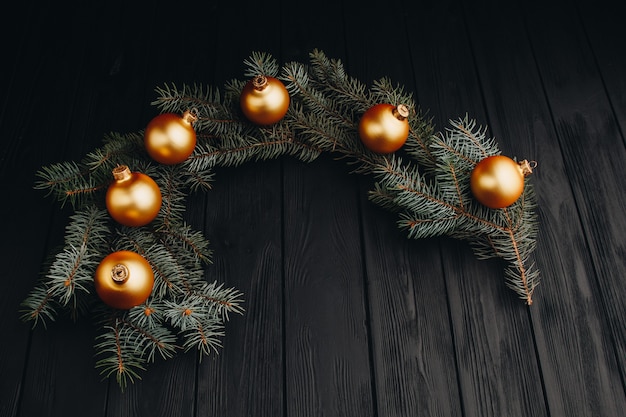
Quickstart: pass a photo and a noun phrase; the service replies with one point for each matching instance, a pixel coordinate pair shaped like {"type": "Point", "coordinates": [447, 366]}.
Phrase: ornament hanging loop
{"type": "Point", "coordinates": [259, 82]}
{"type": "Point", "coordinates": [527, 167]}
{"type": "Point", "coordinates": [190, 116]}
{"type": "Point", "coordinates": [401, 112]}
{"type": "Point", "coordinates": [121, 172]}
{"type": "Point", "coordinates": [120, 273]}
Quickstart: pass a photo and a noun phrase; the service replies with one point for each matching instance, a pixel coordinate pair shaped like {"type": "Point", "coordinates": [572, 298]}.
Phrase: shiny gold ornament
{"type": "Point", "coordinates": [264, 100]}
{"type": "Point", "coordinates": [133, 199]}
{"type": "Point", "coordinates": [169, 138]}
{"type": "Point", "coordinates": [384, 127]}
{"type": "Point", "coordinates": [498, 181]}
{"type": "Point", "coordinates": [123, 280]}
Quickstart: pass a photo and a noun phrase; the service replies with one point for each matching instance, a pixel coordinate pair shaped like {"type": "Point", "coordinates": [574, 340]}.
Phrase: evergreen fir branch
{"type": "Point", "coordinates": [39, 306]}
{"type": "Point", "coordinates": [323, 114]}
{"type": "Point", "coordinates": [453, 185]}
{"type": "Point", "coordinates": [384, 91]}
{"type": "Point", "coordinates": [463, 144]}
{"type": "Point", "coordinates": [198, 325]}
{"type": "Point", "coordinates": [72, 269]}
{"type": "Point", "coordinates": [148, 341]}
{"type": "Point", "coordinates": [412, 191]}
{"type": "Point", "coordinates": [424, 227]}
{"type": "Point", "coordinates": [200, 315]}
{"type": "Point", "coordinates": [232, 94]}
{"type": "Point", "coordinates": [205, 337]}
{"type": "Point", "coordinates": [525, 287]}
{"type": "Point", "coordinates": [321, 134]}
{"type": "Point", "coordinates": [383, 197]}
{"type": "Point", "coordinates": [125, 349]}
{"type": "Point", "coordinates": [116, 150]}
{"type": "Point", "coordinates": [149, 314]}
{"type": "Point", "coordinates": [426, 184]}
{"type": "Point", "coordinates": [418, 143]}
{"type": "Point", "coordinates": [67, 181]}
{"type": "Point", "coordinates": [331, 79]}
{"type": "Point", "coordinates": [171, 99]}
{"type": "Point", "coordinates": [89, 226]}
{"type": "Point", "coordinates": [260, 63]}
{"type": "Point", "coordinates": [184, 240]}
{"type": "Point", "coordinates": [313, 95]}
{"type": "Point", "coordinates": [156, 340]}
{"type": "Point", "coordinates": [118, 357]}
{"type": "Point", "coordinates": [198, 181]}
{"type": "Point", "coordinates": [173, 197]}
{"type": "Point", "coordinates": [519, 277]}
{"type": "Point", "coordinates": [186, 313]}
{"type": "Point", "coordinates": [271, 146]}
{"type": "Point", "coordinates": [220, 299]}
{"type": "Point", "coordinates": [447, 208]}
{"type": "Point", "coordinates": [69, 273]}
{"type": "Point", "coordinates": [168, 273]}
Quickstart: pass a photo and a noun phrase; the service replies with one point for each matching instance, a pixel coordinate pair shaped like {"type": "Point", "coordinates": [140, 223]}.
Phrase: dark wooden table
{"type": "Point", "coordinates": [344, 315]}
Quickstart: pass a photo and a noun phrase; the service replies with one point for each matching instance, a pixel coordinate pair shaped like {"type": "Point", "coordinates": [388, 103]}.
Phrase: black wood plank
{"type": "Point", "coordinates": [88, 82]}
{"type": "Point", "coordinates": [566, 299]}
{"type": "Point", "coordinates": [26, 219]}
{"type": "Point", "coordinates": [60, 122]}
{"type": "Point", "coordinates": [244, 225]}
{"type": "Point", "coordinates": [243, 221]}
{"type": "Point", "coordinates": [147, 55]}
{"type": "Point", "coordinates": [498, 373]}
{"type": "Point", "coordinates": [590, 138]}
{"type": "Point", "coordinates": [63, 105]}
{"type": "Point", "coordinates": [344, 316]}
{"type": "Point", "coordinates": [327, 359]}
{"type": "Point", "coordinates": [412, 344]}
{"type": "Point", "coordinates": [602, 24]}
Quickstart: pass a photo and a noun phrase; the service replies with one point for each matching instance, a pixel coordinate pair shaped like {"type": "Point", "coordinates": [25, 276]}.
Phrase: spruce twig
{"type": "Point", "coordinates": [426, 184]}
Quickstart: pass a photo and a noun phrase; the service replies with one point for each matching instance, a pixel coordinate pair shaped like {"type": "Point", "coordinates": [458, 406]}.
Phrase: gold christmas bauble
{"type": "Point", "coordinates": [264, 100]}
{"type": "Point", "coordinates": [133, 199]}
{"type": "Point", "coordinates": [169, 138]}
{"type": "Point", "coordinates": [384, 128]}
{"type": "Point", "coordinates": [498, 181]}
{"type": "Point", "coordinates": [123, 280]}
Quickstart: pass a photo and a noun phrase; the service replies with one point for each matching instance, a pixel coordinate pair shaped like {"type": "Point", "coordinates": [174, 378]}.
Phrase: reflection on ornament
{"type": "Point", "coordinates": [123, 280]}
{"type": "Point", "coordinates": [498, 181]}
{"type": "Point", "coordinates": [264, 100]}
{"type": "Point", "coordinates": [133, 199]}
{"type": "Point", "coordinates": [169, 138]}
{"type": "Point", "coordinates": [384, 127]}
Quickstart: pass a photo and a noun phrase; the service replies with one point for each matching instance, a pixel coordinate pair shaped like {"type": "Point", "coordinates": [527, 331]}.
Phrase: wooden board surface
{"type": "Point", "coordinates": [344, 316]}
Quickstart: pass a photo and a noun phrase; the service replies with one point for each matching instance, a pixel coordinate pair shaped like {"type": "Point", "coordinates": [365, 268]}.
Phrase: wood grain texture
{"type": "Point", "coordinates": [569, 275]}
{"type": "Point", "coordinates": [343, 314]}
{"type": "Point", "coordinates": [413, 360]}
{"type": "Point", "coordinates": [61, 356]}
{"type": "Point", "coordinates": [243, 220]}
{"type": "Point", "coordinates": [493, 342]}
{"type": "Point", "coordinates": [324, 294]}
{"type": "Point", "coordinates": [324, 289]}
{"type": "Point", "coordinates": [19, 158]}
{"type": "Point", "coordinates": [601, 21]}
